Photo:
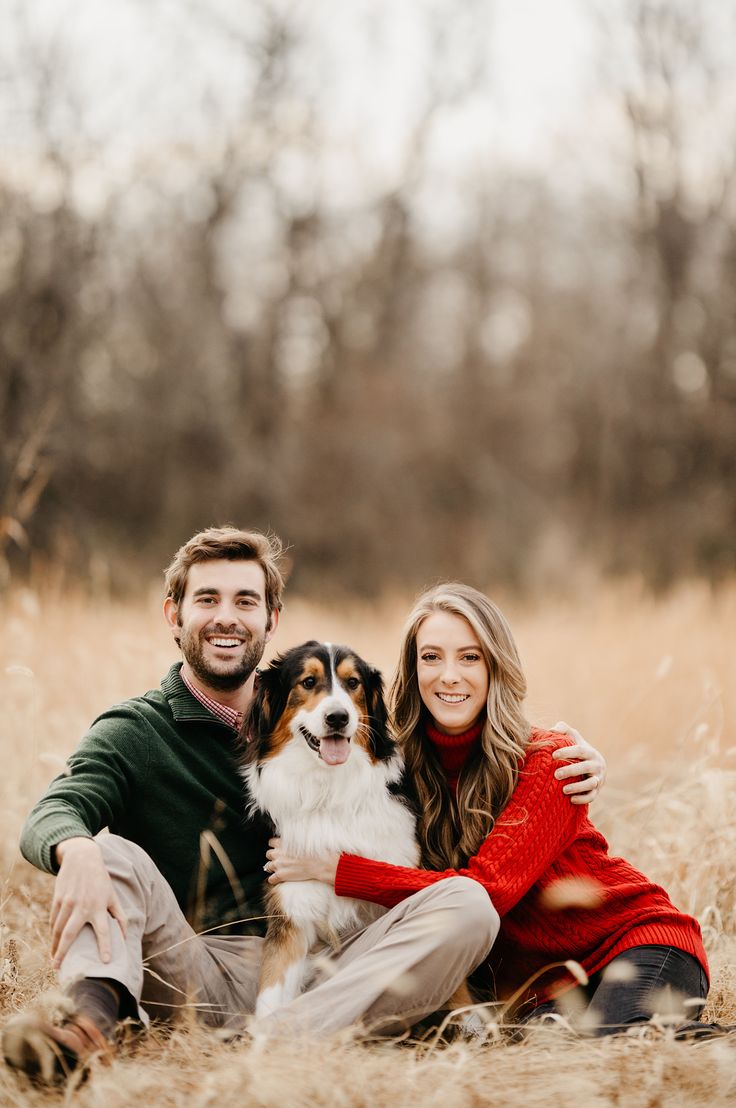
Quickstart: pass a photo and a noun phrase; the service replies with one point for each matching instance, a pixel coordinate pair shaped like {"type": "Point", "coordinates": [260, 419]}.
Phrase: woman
{"type": "Point", "coordinates": [491, 808]}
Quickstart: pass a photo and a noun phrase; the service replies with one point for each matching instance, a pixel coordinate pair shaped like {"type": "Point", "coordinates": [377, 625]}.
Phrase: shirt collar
{"type": "Point", "coordinates": [231, 716]}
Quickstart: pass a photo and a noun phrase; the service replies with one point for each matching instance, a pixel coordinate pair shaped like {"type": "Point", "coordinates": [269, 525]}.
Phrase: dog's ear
{"type": "Point", "coordinates": [268, 704]}
{"type": "Point", "coordinates": [383, 745]}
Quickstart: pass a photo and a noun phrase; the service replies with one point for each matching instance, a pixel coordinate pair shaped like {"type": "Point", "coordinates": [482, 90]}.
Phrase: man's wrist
{"type": "Point", "coordinates": [69, 846]}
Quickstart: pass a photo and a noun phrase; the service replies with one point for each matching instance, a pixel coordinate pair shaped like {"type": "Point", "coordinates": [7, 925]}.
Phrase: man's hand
{"type": "Point", "coordinates": [588, 766]}
{"type": "Point", "coordinates": [83, 893]}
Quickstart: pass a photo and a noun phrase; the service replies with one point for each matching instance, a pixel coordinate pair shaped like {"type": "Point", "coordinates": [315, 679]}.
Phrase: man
{"type": "Point", "coordinates": [163, 912]}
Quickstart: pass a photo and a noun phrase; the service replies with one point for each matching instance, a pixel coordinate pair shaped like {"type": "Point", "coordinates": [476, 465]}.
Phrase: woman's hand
{"type": "Point", "coordinates": [303, 867]}
{"type": "Point", "coordinates": [588, 767]}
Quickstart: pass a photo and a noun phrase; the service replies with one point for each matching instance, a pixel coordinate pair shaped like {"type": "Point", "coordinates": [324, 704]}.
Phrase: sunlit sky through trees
{"type": "Point", "coordinates": [161, 72]}
{"type": "Point", "coordinates": [524, 83]}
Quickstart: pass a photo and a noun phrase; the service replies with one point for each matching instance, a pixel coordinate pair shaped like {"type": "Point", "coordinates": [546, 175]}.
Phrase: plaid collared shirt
{"type": "Point", "coordinates": [228, 715]}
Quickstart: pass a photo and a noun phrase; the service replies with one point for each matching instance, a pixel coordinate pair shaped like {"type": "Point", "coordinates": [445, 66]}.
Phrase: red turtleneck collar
{"type": "Point", "coordinates": [453, 750]}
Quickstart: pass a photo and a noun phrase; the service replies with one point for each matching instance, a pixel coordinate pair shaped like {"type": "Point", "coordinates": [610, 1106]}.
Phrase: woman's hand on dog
{"type": "Point", "coordinates": [588, 767]}
{"type": "Point", "coordinates": [281, 866]}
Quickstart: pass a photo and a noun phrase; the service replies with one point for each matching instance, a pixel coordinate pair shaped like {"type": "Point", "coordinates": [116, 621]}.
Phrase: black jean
{"type": "Point", "coordinates": [638, 984]}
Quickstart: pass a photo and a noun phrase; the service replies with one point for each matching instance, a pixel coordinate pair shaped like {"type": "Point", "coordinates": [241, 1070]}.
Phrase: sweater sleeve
{"type": "Point", "coordinates": [94, 790]}
{"type": "Point", "coordinates": [538, 823]}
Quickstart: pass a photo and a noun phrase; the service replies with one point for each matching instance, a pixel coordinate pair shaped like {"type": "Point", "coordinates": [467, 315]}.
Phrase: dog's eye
{"type": "Point", "coordinates": [309, 682]}
{"type": "Point", "coordinates": [353, 683]}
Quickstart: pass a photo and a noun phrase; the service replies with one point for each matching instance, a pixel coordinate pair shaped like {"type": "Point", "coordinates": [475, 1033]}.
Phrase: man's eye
{"type": "Point", "coordinates": [353, 683]}
{"type": "Point", "coordinates": [309, 682]}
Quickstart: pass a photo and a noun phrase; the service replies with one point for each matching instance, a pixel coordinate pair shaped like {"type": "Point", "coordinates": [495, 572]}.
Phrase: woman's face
{"type": "Point", "coordinates": [452, 673]}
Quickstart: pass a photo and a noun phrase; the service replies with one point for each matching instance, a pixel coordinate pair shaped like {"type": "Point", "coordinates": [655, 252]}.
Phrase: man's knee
{"type": "Point", "coordinates": [116, 850]}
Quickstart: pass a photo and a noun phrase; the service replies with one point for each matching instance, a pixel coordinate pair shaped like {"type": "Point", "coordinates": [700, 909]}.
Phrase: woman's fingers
{"type": "Point", "coordinates": [288, 867]}
{"type": "Point", "coordinates": [585, 785]}
{"type": "Point", "coordinates": [583, 777]}
{"type": "Point", "coordinates": [576, 769]}
{"type": "Point", "coordinates": [566, 729]}
{"type": "Point", "coordinates": [582, 751]}
{"type": "Point", "coordinates": [276, 862]}
{"type": "Point", "coordinates": [584, 798]}
{"type": "Point", "coordinates": [575, 753]}
{"type": "Point", "coordinates": [584, 790]}
{"type": "Point", "coordinates": [279, 869]}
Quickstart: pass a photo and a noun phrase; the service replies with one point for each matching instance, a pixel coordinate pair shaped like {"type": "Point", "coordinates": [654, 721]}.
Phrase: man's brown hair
{"type": "Point", "coordinates": [232, 545]}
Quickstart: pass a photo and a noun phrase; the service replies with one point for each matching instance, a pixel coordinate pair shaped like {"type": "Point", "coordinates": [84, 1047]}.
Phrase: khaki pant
{"type": "Point", "coordinates": [386, 976]}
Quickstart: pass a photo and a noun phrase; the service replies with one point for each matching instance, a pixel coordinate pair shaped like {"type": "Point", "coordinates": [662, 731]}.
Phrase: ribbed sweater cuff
{"type": "Point", "coordinates": [44, 846]}
{"type": "Point", "coordinates": [361, 878]}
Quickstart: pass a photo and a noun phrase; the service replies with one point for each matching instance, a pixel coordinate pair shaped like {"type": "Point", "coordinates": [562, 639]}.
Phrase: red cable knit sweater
{"type": "Point", "coordinates": [541, 839]}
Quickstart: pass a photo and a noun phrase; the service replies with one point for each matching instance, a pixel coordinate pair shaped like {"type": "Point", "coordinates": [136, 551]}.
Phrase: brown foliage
{"type": "Point", "coordinates": [224, 337]}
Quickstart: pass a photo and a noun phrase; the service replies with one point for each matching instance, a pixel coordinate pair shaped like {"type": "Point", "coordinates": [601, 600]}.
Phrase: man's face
{"type": "Point", "coordinates": [221, 624]}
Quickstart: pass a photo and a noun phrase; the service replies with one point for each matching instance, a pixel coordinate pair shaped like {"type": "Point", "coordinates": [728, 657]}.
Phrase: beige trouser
{"type": "Point", "coordinates": [389, 974]}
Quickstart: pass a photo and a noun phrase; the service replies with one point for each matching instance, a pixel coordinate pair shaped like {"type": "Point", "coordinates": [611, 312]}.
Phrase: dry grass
{"type": "Point", "coordinates": [654, 683]}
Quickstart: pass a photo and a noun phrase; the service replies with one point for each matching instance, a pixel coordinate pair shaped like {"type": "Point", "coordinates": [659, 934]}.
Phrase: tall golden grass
{"type": "Point", "coordinates": [652, 682]}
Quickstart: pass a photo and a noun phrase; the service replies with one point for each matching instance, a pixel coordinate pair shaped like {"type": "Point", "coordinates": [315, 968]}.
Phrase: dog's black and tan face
{"type": "Point", "coordinates": [325, 696]}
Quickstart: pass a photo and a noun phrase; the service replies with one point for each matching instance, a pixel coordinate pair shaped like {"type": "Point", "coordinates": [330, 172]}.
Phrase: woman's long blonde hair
{"type": "Point", "coordinates": [451, 830]}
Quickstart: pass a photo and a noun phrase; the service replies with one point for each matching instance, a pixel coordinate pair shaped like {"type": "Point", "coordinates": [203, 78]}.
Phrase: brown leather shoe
{"type": "Point", "coordinates": [49, 1053]}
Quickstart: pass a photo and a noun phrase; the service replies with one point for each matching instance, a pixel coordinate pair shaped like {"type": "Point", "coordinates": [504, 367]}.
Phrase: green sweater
{"type": "Point", "coordinates": [161, 770]}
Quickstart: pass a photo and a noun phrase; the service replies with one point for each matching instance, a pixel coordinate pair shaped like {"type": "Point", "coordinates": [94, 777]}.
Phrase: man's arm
{"type": "Point", "coordinates": [58, 835]}
{"type": "Point", "coordinates": [587, 774]}
{"type": "Point", "coordinates": [93, 792]}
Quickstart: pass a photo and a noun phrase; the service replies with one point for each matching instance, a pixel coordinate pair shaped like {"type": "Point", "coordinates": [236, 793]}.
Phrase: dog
{"type": "Point", "coordinates": [320, 763]}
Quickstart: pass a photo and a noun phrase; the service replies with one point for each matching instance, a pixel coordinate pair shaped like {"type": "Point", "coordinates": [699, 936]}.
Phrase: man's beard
{"type": "Point", "coordinates": [190, 644]}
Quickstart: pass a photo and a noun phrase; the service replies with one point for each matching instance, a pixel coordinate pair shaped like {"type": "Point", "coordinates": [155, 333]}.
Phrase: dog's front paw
{"type": "Point", "coordinates": [270, 1000]}
{"type": "Point", "coordinates": [473, 1027]}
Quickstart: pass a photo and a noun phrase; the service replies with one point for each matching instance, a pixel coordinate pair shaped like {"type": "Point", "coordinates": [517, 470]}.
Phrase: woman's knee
{"type": "Point", "coordinates": [474, 909]}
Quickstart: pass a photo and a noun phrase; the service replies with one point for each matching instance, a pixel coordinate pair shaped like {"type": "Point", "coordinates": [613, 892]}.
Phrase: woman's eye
{"type": "Point", "coordinates": [471, 657]}
{"type": "Point", "coordinates": [353, 683]}
{"type": "Point", "coordinates": [309, 682]}
{"type": "Point", "coordinates": [428, 657]}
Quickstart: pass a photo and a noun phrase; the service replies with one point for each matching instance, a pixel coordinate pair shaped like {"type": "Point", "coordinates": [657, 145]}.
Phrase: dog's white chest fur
{"type": "Point", "coordinates": [326, 810]}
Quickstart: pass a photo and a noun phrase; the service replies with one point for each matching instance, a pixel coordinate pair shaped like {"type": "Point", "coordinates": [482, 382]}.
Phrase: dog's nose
{"type": "Point", "coordinates": [337, 719]}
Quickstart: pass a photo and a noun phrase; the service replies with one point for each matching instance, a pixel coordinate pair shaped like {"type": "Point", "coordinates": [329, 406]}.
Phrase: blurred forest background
{"type": "Point", "coordinates": [264, 276]}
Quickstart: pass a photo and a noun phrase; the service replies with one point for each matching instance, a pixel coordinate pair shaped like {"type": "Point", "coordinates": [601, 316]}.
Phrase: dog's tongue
{"type": "Point", "coordinates": [334, 751]}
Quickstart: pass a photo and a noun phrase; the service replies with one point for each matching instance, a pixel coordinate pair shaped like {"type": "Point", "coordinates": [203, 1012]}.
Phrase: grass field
{"type": "Point", "coordinates": [652, 683]}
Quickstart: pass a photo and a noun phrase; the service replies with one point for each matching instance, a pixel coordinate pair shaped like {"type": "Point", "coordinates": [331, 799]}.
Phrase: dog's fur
{"type": "Point", "coordinates": [320, 763]}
